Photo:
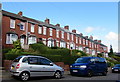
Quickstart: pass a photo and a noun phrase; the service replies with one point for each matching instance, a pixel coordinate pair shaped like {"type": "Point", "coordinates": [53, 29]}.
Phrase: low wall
{"type": "Point", "coordinates": [7, 64]}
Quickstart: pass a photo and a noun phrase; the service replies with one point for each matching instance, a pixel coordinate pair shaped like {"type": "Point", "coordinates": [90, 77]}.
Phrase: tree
{"type": "Point", "coordinates": [111, 50]}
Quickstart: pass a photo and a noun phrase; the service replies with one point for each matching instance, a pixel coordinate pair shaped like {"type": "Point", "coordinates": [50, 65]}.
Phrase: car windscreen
{"type": "Point", "coordinates": [82, 60]}
{"type": "Point", "coordinates": [17, 59]}
{"type": "Point", "coordinates": [117, 65]}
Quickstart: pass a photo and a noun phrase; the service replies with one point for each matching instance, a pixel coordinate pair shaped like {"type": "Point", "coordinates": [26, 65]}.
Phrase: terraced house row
{"type": "Point", "coordinates": [29, 31]}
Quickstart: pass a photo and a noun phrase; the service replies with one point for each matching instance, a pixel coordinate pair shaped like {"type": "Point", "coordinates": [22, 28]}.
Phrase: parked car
{"type": "Point", "coordinates": [89, 66]}
{"type": "Point", "coordinates": [116, 68]}
{"type": "Point", "coordinates": [33, 66]}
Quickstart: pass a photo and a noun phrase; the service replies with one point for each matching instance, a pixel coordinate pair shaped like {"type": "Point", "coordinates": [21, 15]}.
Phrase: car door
{"type": "Point", "coordinates": [93, 65]}
{"type": "Point", "coordinates": [35, 69]}
{"type": "Point", "coordinates": [47, 68]}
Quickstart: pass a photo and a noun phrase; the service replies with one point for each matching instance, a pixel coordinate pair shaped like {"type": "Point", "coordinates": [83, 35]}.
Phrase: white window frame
{"type": "Point", "coordinates": [44, 30]}
{"type": "Point", "coordinates": [72, 37]}
{"type": "Point", "coordinates": [80, 40]}
{"type": "Point", "coordinates": [40, 29]}
{"type": "Point", "coordinates": [32, 28]}
{"type": "Point", "coordinates": [32, 40]}
{"type": "Point", "coordinates": [50, 30]}
{"type": "Point", "coordinates": [62, 34]}
{"type": "Point", "coordinates": [12, 23]}
{"type": "Point", "coordinates": [83, 41]}
{"type": "Point", "coordinates": [57, 33]}
{"type": "Point", "coordinates": [76, 39]}
{"type": "Point", "coordinates": [86, 42]}
{"type": "Point", "coordinates": [10, 38]}
{"type": "Point", "coordinates": [68, 36]}
{"type": "Point", "coordinates": [23, 24]}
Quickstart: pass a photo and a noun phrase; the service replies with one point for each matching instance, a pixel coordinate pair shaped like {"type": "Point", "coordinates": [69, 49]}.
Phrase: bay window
{"type": "Point", "coordinates": [10, 38]}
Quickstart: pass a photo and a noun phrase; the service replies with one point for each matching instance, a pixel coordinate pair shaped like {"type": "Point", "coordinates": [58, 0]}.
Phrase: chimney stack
{"type": "Point", "coordinates": [66, 27]}
{"type": "Point", "coordinates": [86, 36]}
{"type": "Point", "coordinates": [74, 31]}
{"type": "Point", "coordinates": [20, 13]}
{"type": "Point", "coordinates": [99, 41]}
{"type": "Point", "coordinates": [81, 34]}
{"type": "Point", "coordinates": [57, 25]}
{"type": "Point", "coordinates": [47, 21]}
{"type": "Point", "coordinates": [91, 37]}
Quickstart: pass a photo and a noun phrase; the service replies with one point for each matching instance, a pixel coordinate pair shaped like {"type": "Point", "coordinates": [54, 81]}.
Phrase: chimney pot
{"type": "Point", "coordinates": [74, 31]}
{"type": "Point", "coordinates": [20, 13]}
{"type": "Point", "coordinates": [57, 25]}
{"type": "Point", "coordinates": [47, 21]}
{"type": "Point", "coordinates": [66, 27]}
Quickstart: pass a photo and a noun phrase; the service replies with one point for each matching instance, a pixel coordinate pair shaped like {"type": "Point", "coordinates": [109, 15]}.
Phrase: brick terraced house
{"type": "Point", "coordinates": [29, 31]}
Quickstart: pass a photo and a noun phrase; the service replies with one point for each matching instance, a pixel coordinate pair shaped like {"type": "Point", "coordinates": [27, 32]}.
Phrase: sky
{"type": "Point", "coordinates": [99, 19]}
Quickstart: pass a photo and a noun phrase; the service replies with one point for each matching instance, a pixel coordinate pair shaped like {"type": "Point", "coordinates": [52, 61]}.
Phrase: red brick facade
{"type": "Point", "coordinates": [30, 31]}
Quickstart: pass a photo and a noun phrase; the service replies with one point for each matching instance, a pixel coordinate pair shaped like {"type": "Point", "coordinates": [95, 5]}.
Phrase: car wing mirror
{"type": "Point", "coordinates": [51, 64]}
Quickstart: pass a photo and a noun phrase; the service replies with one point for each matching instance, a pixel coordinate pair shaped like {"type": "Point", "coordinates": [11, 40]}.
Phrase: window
{"type": "Point", "coordinates": [32, 28]}
{"type": "Point", "coordinates": [68, 36]}
{"type": "Point", "coordinates": [72, 36]}
{"type": "Point", "coordinates": [44, 41]}
{"type": "Point", "coordinates": [25, 60]}
{"type": "Point", "coordinates": [90, 44]}
{"type": "Point", "coordinates": [40, 30]}
{"type": "Point", "coordinates": [33, 60]}
{"type": "Point", "coordinates": [63, 44]}
{"type": "Point", "coordinates": [10, 38]}
{"type": "Point", "coordinates": [87, 50]}
{"type": "Point", "coordinates": [62, 34]}
{"type": "Point", "coordinates": [83, 41]}
{"type": "Point", "coordinates": [86, 42]}
{"type": "Point", "coordinates": [22, 26]}
{"type": "Point", "coordinates": [32, 40]}
{"type": "Point", "coordinates": [57, 33]}
{"type": "Point", "coordinates": [43, 61]}
{"type": "Point", "coordinates": [76, 39]}
{"type": "Point", "coordinates": [44, 30]}
{"type": "Point", "coordinates": [80, 40]}
{"type": "Point", "coordinates": [12, 23]}
{"type": "Point", "coordinates": [50, 31]}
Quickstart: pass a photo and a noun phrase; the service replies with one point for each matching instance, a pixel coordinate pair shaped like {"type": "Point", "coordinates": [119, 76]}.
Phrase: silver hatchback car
{"type": "Point", "coordinates": [33, 66]}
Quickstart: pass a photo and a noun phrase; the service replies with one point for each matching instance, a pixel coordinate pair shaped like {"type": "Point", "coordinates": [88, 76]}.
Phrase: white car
{"type": "Point", "coordinates": [33, 66]}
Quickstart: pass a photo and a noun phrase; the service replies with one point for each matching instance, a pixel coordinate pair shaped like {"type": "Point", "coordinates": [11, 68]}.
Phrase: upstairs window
{"type": "Point", "coordinates": [72, 36]}
{"type": "Point", "coordinates": [44, 30]}
{"type": "Point", "coordinates": [86, 42]}
{"type": "Point", "coordinates": [80, 40]}
{"type": "Point", "coordinates": [12, 23]}
{"type": "Point", "coordinates": [68, 36]}
{"type": "Point", "coordinates": [40, 30]}
{"type": "Point", "coordinates": [22, 26]}
{"type": "Point", "coordinates": [62, 34]}
{"type": "Point", "coordinates": [57, 33]}
{"type": "Point", "coordinates": [32, 28]}
{"type": "Point", "coordinates": [76, 39]}
{"type": "Point", "coordinates": [50, 31]}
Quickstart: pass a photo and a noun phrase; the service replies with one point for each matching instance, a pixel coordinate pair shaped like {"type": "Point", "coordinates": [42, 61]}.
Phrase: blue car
{"type": "Point", "coordinates": [89, 66]}
{"type": "Point", "coordinates": [116, 68]}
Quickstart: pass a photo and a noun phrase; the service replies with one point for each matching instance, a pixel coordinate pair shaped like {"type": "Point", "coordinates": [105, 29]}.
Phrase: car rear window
{"type": "Point", "coordinates": [17, 59]}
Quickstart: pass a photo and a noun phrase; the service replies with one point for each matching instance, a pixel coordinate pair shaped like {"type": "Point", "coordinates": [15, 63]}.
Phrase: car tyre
{"type": "Point", "coordinates": [104, 73]}
{"type": "Point", "coordinates": [90, 73]}
{"type": "Point", "coordinates": [24, 76]}
{"type": "Point", "coordinates": [57, 75]}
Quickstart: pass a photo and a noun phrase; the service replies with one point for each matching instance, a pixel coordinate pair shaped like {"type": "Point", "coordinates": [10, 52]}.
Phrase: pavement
{"type": "Point", "coordinates": [6, 74]}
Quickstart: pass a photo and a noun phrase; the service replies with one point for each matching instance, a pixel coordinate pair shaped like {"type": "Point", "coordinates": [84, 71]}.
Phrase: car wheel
{"type": "Point", "coordinates": [57, 75]}
{"type": "Point", "coordinates": [89, 73]}
{"type": "Point", "coordinates": [104, 73]}
{"type": "Point", "coordinates": [24, 76]}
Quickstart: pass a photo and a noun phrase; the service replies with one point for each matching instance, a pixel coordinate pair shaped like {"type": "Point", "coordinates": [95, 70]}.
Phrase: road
{"type": "Point", "coordinates": [113, 77]}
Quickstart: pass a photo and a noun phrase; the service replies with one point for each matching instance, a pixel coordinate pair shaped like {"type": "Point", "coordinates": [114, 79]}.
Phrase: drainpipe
{"type": "Point", "coordinates": [27, 33]}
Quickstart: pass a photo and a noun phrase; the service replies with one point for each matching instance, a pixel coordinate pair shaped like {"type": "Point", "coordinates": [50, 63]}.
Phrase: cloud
{"type": "Point", "coordinates": [111, 36]}
{"type": "Point", "coordinates": [89, 29]}
{"type": "Point", "coordinates": [112, 39]}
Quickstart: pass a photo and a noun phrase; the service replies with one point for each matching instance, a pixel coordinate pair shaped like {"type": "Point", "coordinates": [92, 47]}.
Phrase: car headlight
{"type": "Point", "coordinates": [70, 65]}
{"type": "Point", "coordinates": [83, 66]}
{"type": "Point", "coordinates": [112, 68]}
